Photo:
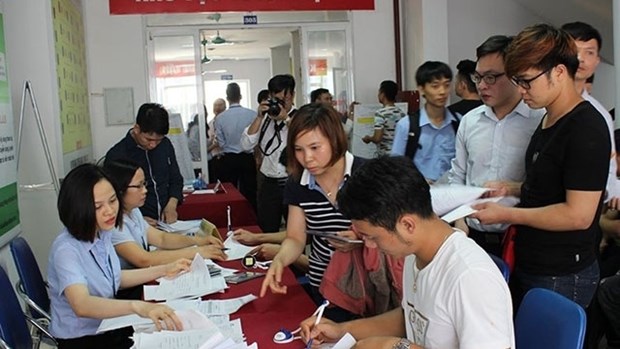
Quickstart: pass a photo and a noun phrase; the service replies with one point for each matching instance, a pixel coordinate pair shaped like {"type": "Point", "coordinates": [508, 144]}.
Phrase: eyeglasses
{"type": "Point", "coordinates": [138, 186]}
{"type": "Point", "coordinates": [488, 79]}
{"type": "Point", "coordinates": [525, 83]}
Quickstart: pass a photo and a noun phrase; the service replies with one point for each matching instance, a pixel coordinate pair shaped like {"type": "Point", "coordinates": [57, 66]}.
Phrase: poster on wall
{"type": "Point", "coordinates": [72, 83]}
{"type": "Point", "coordinates": [9, 211]}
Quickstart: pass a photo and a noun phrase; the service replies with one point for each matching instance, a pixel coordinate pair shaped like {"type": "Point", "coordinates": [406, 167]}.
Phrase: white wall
{"type": "Point", "coordinates": [280, 60]}
{"type": "Point", "coordinates": [115, 57]}
{"type": "Point", "coordinates": [30, 56]}
{"type": "Point", "coordinates": [255, 70]}
{"type": "Point", "coordinates": [373, 49]}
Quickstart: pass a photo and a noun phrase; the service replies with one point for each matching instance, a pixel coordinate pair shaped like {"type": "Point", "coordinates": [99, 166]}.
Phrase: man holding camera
{"type": "Point", "coordinates": [268, 131]}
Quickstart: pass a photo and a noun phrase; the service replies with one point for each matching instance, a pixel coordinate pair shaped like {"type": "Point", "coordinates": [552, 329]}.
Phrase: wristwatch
{"type": "Point", "coordinates": [403, 343]}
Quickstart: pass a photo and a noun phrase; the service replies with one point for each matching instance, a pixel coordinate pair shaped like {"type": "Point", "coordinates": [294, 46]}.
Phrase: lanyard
{"type": "Point", "coordinates": [103, 270]}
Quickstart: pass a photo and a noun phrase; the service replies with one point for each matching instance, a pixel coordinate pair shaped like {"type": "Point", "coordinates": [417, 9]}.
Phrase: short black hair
{"type": "Point", "coordinates": [76, 201]}
{"type": "Point", "coordinates": [121, 172]}
{"type": "Point", "coordinates": [389, 89]}
{"type": "Point", "coordinates": [314, 95]}
{"type": "Point", "coordinates": [233, 92]}
{"type": "Point", "coordinates": [494, 44]}
{"type": "Point", "coordinates": [153, 118]}
{"type": "Point", "coordinates": [263, 95]}
{"type": "Point", "coordinates": [583, 32]}
{"type": "Point", "coordinates": [384, 189]}
{"type": "Point", "coordinates": [281, 82]}
{"type": "Point", "coordinates": [465, 68]}
{"type": "Point", "coordinates": [432, 70]}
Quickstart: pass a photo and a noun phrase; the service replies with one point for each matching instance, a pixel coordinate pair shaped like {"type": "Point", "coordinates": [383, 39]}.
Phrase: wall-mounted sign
{"type": "Point", "coordinates": [123, 7]}
{"type": "Point", "coordinates": [226, 77]}
{"type": "Point", "coordinates": [250, 20]}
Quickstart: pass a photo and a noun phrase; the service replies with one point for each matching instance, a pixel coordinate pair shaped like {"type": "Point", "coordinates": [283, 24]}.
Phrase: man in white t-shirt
{"type": "Point", "coordinates": [453, 294]}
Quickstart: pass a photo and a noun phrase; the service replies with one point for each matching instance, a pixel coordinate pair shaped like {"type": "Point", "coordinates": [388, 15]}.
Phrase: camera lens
{"type": "Point", "coordinates": [274, 107]}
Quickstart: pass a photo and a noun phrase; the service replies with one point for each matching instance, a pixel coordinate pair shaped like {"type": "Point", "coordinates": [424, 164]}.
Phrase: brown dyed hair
{"type": "Point", "coordinates": [310, 117]}
{"type": "Point", "coordinates": [541, 46]}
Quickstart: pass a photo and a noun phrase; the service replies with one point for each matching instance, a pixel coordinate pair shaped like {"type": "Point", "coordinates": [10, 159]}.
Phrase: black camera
{"type": "Point", "coordinates": [275, 106]}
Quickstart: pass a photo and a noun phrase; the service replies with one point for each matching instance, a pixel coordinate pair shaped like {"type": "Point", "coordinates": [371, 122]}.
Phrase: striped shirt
{"type": "Point", "coordinates": [386, 119]}
{"type": "Point", "coordinates": [320, 215]}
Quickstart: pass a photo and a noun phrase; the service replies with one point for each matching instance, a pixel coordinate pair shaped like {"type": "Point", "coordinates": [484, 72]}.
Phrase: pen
{"type": "Point", "coordinates": [229, 223]}
{"type": "Point", "coordinates": [225, 249]}
{"type": "Point", "coordinates": [318, 319]}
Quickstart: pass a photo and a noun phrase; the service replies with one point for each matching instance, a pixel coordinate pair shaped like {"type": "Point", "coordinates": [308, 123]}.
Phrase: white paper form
{"type": "Point", "coordinates": [224, 306]}
{"type": "Point", "coordinates": [446, 198]}
{"type": "Point", "coordinates": [346, 342]}
{"type": "Point", "coordinates": [172, 339]}
{"type": "Point", "coordinates": [236, 250]}
{"type": "Point", "coordinates": [196, 282]}
{"type": "Point", "coordinates": [225, 271]}
{"type": "Point", "coordinates": [467, 209]}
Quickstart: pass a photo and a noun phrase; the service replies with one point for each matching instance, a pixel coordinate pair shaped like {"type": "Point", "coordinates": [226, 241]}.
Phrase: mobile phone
{"type": "Point", "coordinates": [243, 276]}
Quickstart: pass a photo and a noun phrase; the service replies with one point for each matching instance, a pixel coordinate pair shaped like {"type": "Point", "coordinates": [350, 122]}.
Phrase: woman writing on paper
{"type": "Point", "coordinates": [132, 240]}
{"type": "Point", "coordinates": [84, 273]}
{"type": "Point", "coordinates": [319, 164]}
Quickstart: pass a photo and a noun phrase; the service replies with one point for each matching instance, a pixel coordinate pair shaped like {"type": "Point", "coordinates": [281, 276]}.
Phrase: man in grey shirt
{"type": "Point", "coordinates": [492, 139]}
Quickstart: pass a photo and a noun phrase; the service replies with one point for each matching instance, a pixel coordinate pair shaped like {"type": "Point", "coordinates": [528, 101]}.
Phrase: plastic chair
{"type": "Point", "coordinates": [503, 267]}
{"type": "Point", "coordinates": [31, 287]}
{"type": "Point", "coordinates": [547, 319]}
{"type": "Point", "coordinates": [13, 326]}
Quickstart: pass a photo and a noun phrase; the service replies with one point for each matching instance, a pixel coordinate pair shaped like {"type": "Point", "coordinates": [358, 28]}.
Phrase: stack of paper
{"type": "Point", "coordinates": [181, 227]}
{"type": "Point", "coordinates": [453, 202]}
{"type": "Point", "coordinates": [198, 333]}
{"type": "Point", "coordinates": [196, 282]}
{"type": "Point", "coordinates": [346, 342]}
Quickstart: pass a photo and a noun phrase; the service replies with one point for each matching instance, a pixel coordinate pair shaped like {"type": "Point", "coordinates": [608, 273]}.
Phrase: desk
{"type": "Point", "coordinates": [213, 207]}
{"type": "Point", "coordinates": [262, 318]}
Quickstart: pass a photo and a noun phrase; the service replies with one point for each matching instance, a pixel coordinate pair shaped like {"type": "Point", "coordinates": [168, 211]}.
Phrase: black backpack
{"type": "Point", "coordinates": [414, 134]}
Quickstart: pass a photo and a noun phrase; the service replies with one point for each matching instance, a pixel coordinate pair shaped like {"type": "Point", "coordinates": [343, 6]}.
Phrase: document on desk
{"type": "Point", "coordinates": [236, 250]}
{"type": "Point", "coordinates": [196, 282]}
{"type": "Point", "coordinates": [224, 306]}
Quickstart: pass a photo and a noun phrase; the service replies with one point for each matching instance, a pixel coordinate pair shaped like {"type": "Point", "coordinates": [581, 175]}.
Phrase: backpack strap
{"type": "Point", "coordinates": [414, 135]}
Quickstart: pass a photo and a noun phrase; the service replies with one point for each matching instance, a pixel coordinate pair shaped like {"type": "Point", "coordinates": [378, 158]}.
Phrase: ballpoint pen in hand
{"type": "Point", "coordinates": [319, 315]}
{"type": "Point", "coordinates": [229, 223]}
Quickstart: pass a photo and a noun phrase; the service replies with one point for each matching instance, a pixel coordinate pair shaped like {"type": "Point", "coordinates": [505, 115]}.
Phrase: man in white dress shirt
{"type": "Point", "coordinates": [492, 139]}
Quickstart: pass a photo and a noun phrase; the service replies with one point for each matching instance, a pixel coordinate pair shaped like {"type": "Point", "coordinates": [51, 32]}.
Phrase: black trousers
{"type": "Point", "coordinates": [111, 339]}
{"type": "Point", "coordinates": [604, 315]}
{"type": "Point", "coordinates": [240, 170]}
{"type": "Point", "coordinates": [490, 242]}
{"type": "Point", "coordinates": [271, 208]}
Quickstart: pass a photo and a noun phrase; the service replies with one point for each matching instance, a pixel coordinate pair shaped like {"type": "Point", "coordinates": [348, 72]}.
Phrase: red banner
{"type": "Point", "coordinates": [174, 69]}
{"type": "Point", "coordinates": [123, 7]}
{"type": "Point", "coordinates": [318, 66]}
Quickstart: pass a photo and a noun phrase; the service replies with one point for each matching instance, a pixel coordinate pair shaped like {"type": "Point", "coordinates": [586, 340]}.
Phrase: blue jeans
{"type": "Point", "coordinates": [578, 287]}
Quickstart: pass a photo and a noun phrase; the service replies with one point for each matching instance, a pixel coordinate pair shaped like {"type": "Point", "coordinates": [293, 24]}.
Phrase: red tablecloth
{"type": "Point", "coordinates": [213, 207]}
{"type": "Point", "coordinates": [262, 318]}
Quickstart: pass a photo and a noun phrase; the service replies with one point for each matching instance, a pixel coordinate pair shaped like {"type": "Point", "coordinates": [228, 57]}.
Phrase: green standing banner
{"type": "Point", "coordinates": [9, 211]}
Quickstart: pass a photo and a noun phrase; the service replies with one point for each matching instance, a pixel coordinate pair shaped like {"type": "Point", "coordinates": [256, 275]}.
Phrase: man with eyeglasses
{"type": "Point", "coordinates": [268, 132]}
{"type": "Point", "coordinates": [567, 162]}
{"type": "Point", "coordinates": [146, 144]}
{"type": "Point", "coordinates": [491, 140]}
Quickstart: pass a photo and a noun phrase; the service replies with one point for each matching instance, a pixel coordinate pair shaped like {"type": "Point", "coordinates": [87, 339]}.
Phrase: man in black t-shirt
{"type": "Point", "coordinates": [566, 162]}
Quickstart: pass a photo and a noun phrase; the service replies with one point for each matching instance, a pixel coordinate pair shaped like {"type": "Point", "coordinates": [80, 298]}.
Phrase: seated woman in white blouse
{"type": "Point", "coordinates": [84, 273]}
{"type": "Point", "coordinates": [133, 239]}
